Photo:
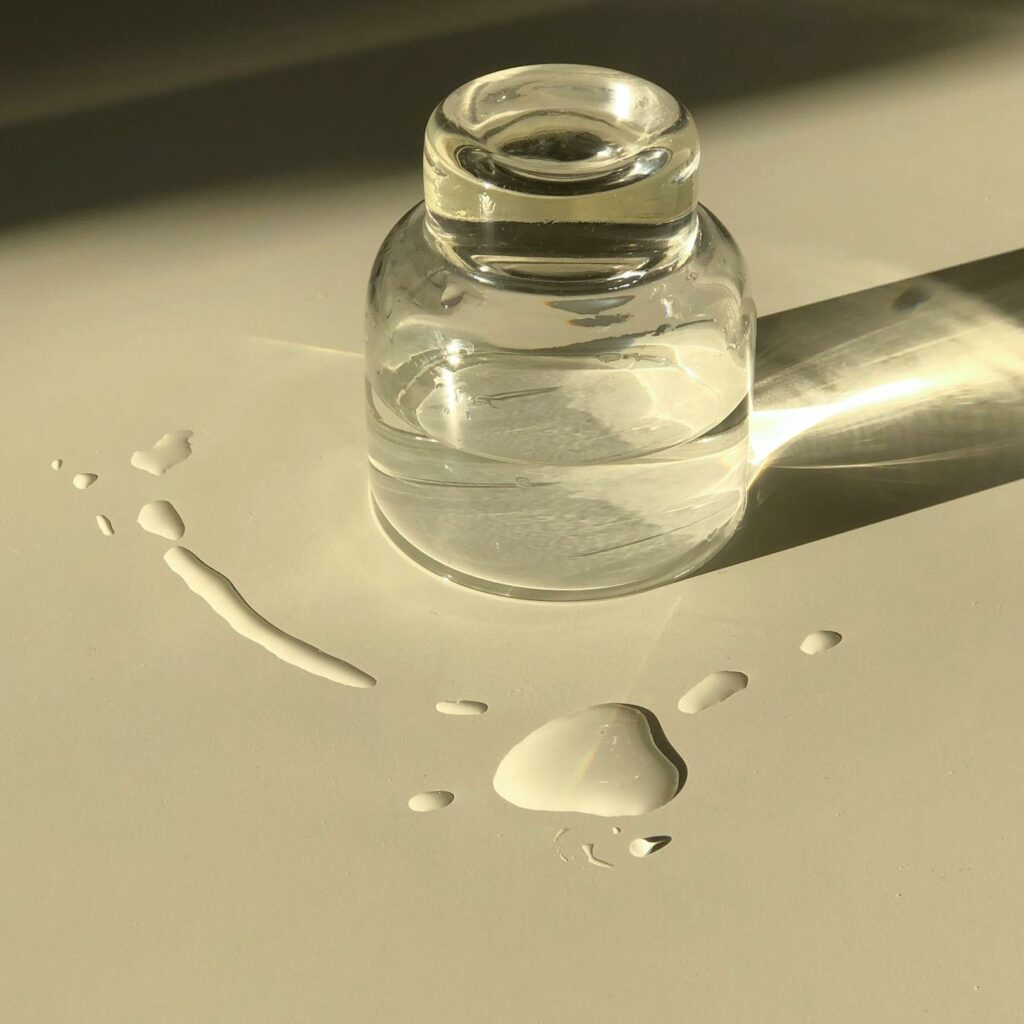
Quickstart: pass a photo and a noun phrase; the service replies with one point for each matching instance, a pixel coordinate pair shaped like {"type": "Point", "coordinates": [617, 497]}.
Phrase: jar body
{"type": "Point", "coordinates": [558, 444]}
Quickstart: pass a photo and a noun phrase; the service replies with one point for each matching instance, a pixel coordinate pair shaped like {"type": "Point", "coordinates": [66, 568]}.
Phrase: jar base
{"type": "Point", "coordinates": [685, 567]}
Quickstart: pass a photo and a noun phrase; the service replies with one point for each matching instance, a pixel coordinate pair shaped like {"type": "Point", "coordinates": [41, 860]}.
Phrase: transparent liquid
{"type": "Point", "coordinates": [564, 473]}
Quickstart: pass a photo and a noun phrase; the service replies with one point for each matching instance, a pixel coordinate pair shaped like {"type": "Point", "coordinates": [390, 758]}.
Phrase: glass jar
{"type": "Point", "coordinates": [559, 344]}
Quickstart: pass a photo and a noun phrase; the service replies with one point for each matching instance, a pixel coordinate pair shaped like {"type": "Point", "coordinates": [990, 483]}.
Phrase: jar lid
{"type": "Point", "coordinates": [560, 143]}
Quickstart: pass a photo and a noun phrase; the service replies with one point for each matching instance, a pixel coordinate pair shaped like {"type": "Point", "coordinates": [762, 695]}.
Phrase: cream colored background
{"type": "Point", "coordinates": [193, 831]}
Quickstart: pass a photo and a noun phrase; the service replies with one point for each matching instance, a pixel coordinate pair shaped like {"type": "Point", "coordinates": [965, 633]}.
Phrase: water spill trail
{"type": "Point", "coordinates": [106, 527]}
{"type": "Point", "coordinates": [461, 707]}
{"type": "Point", "coordinates": [434, 800]}
{"type": "Point", "coordinates": [603, 760]}
{"type": "Point", "coordinates": [821, 640]}
{"type": "Point", "coordinates": [171, 449]}
{"type": "Point", "coordinates": [588, 849]}
{"type": "Point", "coordinates": [220, 594]}
{"type": "Point", "coordinates": [648, 845]}
{"type": "Point", "coordinates": [712, 690]}
{"type": "Point", "coordinates": [161, 518]}
{"type": "Point", "coordinates": [83, 480]}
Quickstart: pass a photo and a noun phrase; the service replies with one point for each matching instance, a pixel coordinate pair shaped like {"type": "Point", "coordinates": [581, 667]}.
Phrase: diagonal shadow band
{"type": "Point", "coordinates": [883, 402]}
{"type": "Point", "coordinates": [360, 114]}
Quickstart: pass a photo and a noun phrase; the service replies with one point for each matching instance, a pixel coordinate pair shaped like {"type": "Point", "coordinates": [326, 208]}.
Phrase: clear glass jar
{"type": "Point", "coordinates": [559, 344]}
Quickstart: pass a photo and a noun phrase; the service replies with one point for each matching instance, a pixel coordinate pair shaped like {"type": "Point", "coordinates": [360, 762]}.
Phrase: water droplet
{"type": "Point", "coordinates": [83, 480]}
{"type": "Point", "coordinates": [558, 835]}
{"type": "Point", "coordinates": [588, 849]}
{"type": "Point", "coordinates": [161, 518]}
{"type": "Point", "coordinates": [171, 449]}
{"type": "Point", "coordinates": [461, 707]}
{"type": "Point", "coordinates": [712, 690]}
{"type": "Point", "coordinates": [522, 481]}
{"type": "Point", "coordinates": [452, 296]}
{"type": "Point", "coordinates": [56, 464]}
{"type": "Point", "coordinates": [610, 357]}
{"type": "Point", "coordinates": [106, 527]}
{"type": "Point", "coordinates": [434, 800]}
{"type": "Point", "coordinates": [616, 830]}
{"type": "Point", "coordinates": [603, 760]}
{"type": "Point", "coordinates": [648, 845]}
{"type": "Point", "coordinates": [822, 640]}
{"type": "Point", "coordinates": [220, 594]}
{"type": "Point", "coordinates": [562, 857]}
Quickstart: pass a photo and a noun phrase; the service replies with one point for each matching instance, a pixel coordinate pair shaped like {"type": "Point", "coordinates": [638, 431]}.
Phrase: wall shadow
{"type": "Point", "coordinates": [364, 113]}
{"type": "Point", "coordinates": [883, 402]}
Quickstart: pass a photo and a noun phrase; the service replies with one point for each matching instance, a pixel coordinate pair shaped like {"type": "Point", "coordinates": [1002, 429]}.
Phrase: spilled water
{"type": "Point", "coordinates": [712, 690]}
{"type": "Point", "coordinates": [171, 449]}
{"type": "Point", "coordinates": [161, 518]}
{"type": "Point", "coordinates": [434, 800]}
{"type": "Point", "coordinates": [461, 707]}
{"type": "Point", "coordinates": [822, 640]}
{"type": "Point", "coordinates": [603, 760]}
{"type": "Point", "coordinates": [648, 845]}
{"type": "Point", "coordinates": [220, 594]}
{"type": "Point", "coordinates": [592, 858]}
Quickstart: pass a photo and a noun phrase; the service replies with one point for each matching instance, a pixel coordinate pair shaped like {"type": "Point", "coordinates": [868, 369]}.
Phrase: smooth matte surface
{"type": "Point", "coordinates": [195, 831]}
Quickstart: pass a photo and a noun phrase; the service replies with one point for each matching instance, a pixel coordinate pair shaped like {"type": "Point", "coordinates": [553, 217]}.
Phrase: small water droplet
{"type": "Point", "coordinates": [712, 690]}
{"type": "Point", "coordinates": [106, 527]}
{"type": "Point", "coordinates": [616, 830]}
{"type": "Point", "coordinates": [461, 707]}
{"type": "Point", "coordinates": [522, 481]}
{"type": "Point", "coordinates": [433, 800]}
{"type": "Point", "coordinates": [610, 357]}
{"type": "Point", "coordinates": [56, 464]}
{"type": "Point", "coordinates": [161, 518]}
{"type": "Point", "coordinates": [171, 449]}
{"type": "Point", "coordinates": [588, 849]}
{"type": "Point", "coordinates": [648, 845]}
{"type": "Point", "coordinates": [603, 760]}
{"type": "Point", "coordinates": [562, 857]}
{"type": "Point", "coordinates": [821, 640]}
{"type": "Point", "coordinates": [83, 480]}
{"type": "Point", "coordinates": [558, 835]}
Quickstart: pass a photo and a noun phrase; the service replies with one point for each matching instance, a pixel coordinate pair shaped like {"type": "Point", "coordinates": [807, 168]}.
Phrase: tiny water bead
{"type": "Point", "coordinates": [161, 518]}
{"type": "Point", "coordinates": [171, 449]}
{"type": "Point", "coordinates": [649, 844]}
{"type": "Point", "coordinates": [433, 800]}
{"type": "Point", "coordinates": [712, 690]}
{"type": "Point", "coordinates": [461, 707]}
{"type": "Point", "coordinates": [819, 641]}
{"type": "Point", "coordinates": [603, 760]}
{"type": "Point", "coordinates": [56, 464]}
{"type": "Point", "coordinates": [105, 526]}
{"type": "Point", "coordinates": [83, 480]}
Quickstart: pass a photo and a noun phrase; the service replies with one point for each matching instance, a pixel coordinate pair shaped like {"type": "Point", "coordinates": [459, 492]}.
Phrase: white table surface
{"type": "Point", "coordinates": [194, 831]}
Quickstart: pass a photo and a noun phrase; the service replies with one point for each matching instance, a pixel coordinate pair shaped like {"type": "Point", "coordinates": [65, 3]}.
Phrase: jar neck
{"type": "Point", "coordinates": [546, 255]}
